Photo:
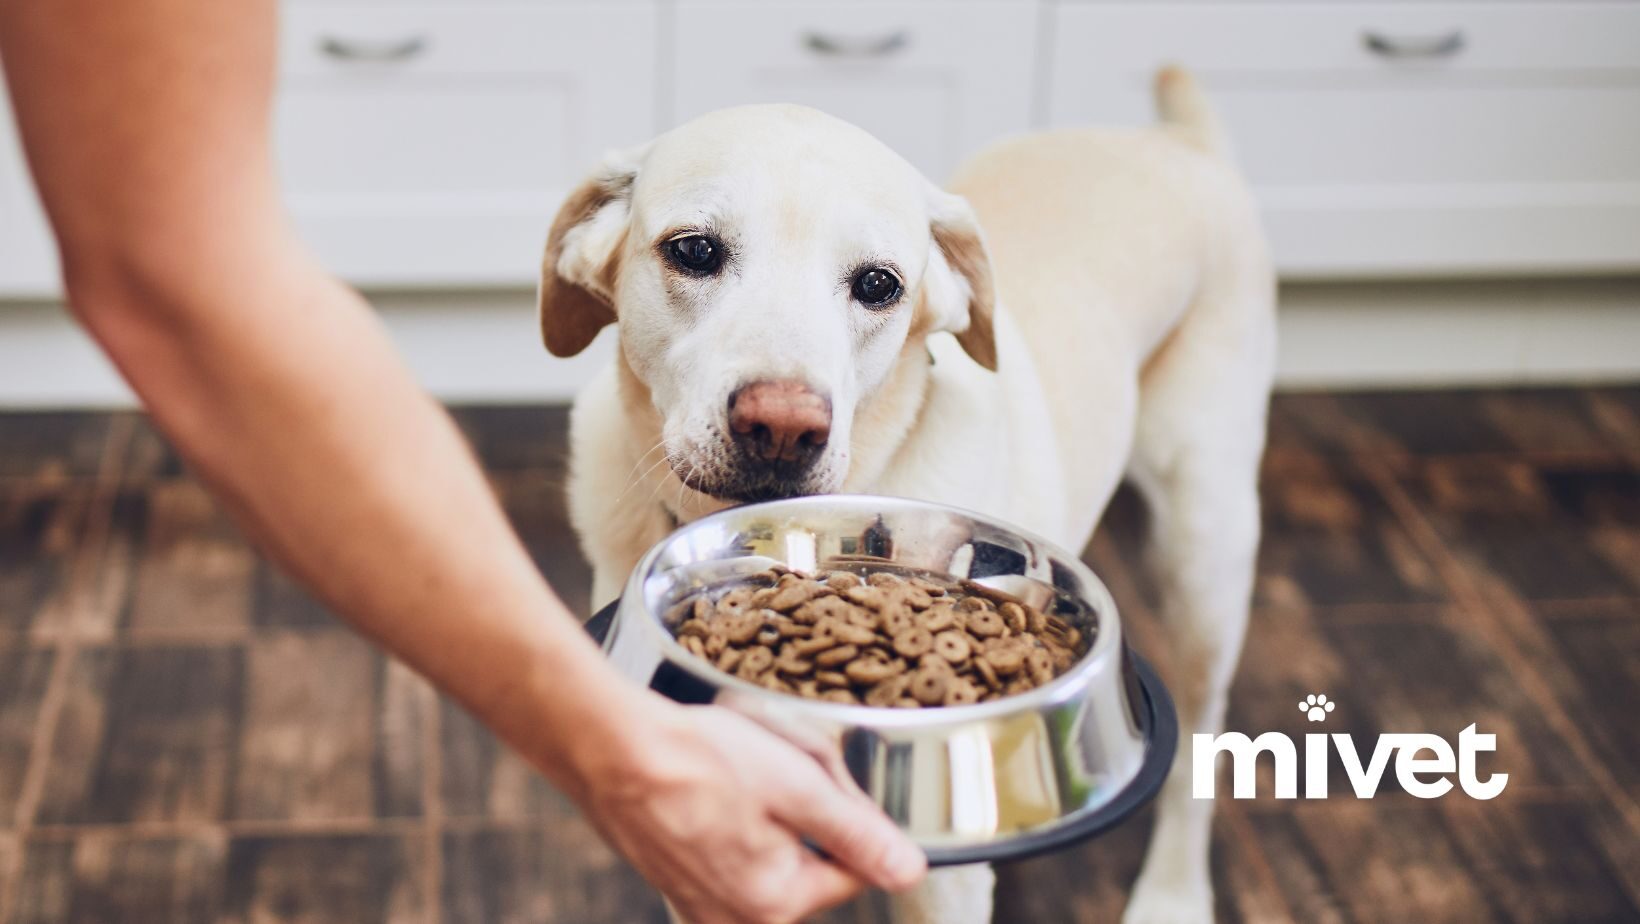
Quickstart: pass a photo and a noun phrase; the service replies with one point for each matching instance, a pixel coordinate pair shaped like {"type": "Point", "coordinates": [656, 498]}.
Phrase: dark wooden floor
{"type": "Point", "coordinates": [185, 737]}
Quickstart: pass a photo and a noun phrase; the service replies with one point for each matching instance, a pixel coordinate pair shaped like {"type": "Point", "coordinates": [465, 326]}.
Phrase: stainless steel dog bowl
{"type": "Point", "coordinates": [982, 782]}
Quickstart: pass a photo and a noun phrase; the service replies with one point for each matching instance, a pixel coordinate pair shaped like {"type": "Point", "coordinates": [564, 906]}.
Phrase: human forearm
{"type": "Point", "coordinates": [281, 389]}
{"type": "Point", "coordinates": [146, 127]}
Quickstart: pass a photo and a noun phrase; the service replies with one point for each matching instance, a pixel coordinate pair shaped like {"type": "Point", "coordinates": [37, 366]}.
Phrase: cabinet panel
{"type": "Point", "coordinates": [935, 81]}
{"type": "Point", "coordinates": [1415, 138]}
{"type": "Point", "coordinates": [28, 255]}
{"type": "Point", "coordinates": [428, 144]}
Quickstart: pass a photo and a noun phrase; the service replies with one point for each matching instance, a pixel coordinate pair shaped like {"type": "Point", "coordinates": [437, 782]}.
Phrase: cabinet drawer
{"type": "Point", "coordinates": [428, 144]}
{"type": "Point", "coordinates": [1360, 37]}
{"type": "Point", "coordinates": [935, 81]}
{"type": "Point", "coordinates": [1385, 138]}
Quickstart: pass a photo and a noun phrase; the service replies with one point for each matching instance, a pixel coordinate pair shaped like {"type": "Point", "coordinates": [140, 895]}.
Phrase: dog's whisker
{"type": "Point", "coordinates": [659, 444]}
{"type": "Point", "coordinates": [642, 477]}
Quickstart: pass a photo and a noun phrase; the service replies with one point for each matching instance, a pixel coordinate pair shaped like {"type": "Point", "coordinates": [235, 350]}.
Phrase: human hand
{"type": "Point", "coordinates": [711, 808]}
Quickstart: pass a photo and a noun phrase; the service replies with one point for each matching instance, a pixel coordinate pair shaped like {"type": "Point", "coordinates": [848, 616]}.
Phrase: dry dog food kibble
{"type": "Point", "coordinates": [882, 639]}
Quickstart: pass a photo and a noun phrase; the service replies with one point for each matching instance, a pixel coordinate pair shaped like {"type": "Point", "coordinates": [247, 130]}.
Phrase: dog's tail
{"type": "Point", "coordinates": [1184, 109]}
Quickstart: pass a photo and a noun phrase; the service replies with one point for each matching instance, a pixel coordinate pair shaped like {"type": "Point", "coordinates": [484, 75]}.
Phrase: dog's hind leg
{"type": "Point", "coordinates": [1199, 439]}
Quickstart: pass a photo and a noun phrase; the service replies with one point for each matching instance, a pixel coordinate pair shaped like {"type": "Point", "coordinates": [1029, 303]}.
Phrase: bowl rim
{"type": "Point", "coordinates": [1104, 654]}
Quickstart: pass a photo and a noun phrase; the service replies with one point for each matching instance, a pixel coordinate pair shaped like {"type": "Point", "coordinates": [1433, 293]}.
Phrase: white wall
{"type": "Point", "coordinates": [482, 346]}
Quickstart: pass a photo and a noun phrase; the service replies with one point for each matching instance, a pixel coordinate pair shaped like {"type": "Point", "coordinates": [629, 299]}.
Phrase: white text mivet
{"type": "Point", "coordinates": [1426, 777]}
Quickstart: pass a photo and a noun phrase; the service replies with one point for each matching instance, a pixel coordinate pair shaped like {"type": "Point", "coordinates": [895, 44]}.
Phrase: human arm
{"type": "Point", "coordinates": [146, 126]}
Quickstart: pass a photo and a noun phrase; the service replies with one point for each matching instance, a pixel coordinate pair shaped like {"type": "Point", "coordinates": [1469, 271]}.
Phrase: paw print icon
{"type": "Point", "coordinates": [1316, 706]}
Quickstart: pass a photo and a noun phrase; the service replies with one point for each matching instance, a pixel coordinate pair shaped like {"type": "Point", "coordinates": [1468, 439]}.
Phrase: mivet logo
{"type": "Point", "coordinates": [1424, 777]}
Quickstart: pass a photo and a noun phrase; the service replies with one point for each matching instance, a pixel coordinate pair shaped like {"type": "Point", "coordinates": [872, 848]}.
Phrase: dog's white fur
{"type": "Point", "coordinates": [1130, 325]}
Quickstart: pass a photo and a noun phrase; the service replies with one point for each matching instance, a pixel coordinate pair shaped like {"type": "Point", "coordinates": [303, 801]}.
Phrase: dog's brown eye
{"type": "Point", "coordinates": [876, 288]}
{"type": "Point", "coordinates": [695, 253]}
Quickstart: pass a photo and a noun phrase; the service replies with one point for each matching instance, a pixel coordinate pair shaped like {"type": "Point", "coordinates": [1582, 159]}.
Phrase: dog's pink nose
{"type": "Point", "coordinates": [782, 421]}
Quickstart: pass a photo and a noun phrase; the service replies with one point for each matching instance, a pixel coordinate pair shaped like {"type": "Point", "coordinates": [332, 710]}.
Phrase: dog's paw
{"type": "Point", "coordinates": [1170, 906]}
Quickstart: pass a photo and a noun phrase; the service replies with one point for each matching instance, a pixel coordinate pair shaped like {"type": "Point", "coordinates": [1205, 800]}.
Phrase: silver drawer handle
{"type": "Point", "coordinates": [1391, 46]}
{"type": "Point", "coordinates": [849, 47]}
{"type": "Point", "coordinates": [352, 50]}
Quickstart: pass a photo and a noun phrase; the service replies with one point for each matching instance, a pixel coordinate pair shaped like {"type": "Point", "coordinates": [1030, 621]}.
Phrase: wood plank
{"type": "Point", "coordinates": [534, 502]}
{"type": "Point", "coordinates": [51, 445]}
{"type": "Point", "coordinates": [1091, 882]}
{"type": "Point", "coordinates": [149, 457]}
{"type": "Point", "coordinates": [325, 880]}
{"type": "Point", "coordinates": [194, 569]}
{"type": "Point", "coordinates": [146, 734]}
{"type": "Point", "coordinates": [1548, 422]}
{"type": "Point", "coordinates": [42, 527]}
{"type": "Point", "coordinates": [1330, 539]}
{"type": "Point", "coordinates": [24, 672]}
{"type": "Point", "coordinates": [1351, 861]}
{"type": "Point", "coordinates": [100, 878]}
{"type": "Point", "coordinates": [310, 746]}
{"type": "Point", "coordinates": [531, 437]}
{"type": "Point", "coordinates": [1602, 653]}
{"type": "Point", "coordinates": [483, 778]}
{"type": "Point", "coordinates": [1539, 863]}
{"type": "Point", "coordinates": [1530, 530]}
{"type": "Point", "coordinates": [557, 874]}
{"type": "Point", "coordinates": [11, 860]}
{"type": "Point", "coordinates": [277, 601]}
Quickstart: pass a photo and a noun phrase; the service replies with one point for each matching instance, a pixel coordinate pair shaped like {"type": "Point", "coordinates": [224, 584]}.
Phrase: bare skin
{"type": "Point", "coordinates": [146, 126]}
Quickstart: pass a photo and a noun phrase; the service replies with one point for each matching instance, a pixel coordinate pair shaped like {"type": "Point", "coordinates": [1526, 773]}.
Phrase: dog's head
{"type": "Point", "coordinates": [768, 266]}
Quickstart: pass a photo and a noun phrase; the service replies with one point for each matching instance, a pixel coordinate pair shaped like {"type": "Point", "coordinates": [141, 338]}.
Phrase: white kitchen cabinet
{"type": "Point", "coordinates": [426, 143]}
{"type": "Point", "coordinates": [430, 143]}
{"type": "Point", "coordinates": [28, 257]}
{"type": "Point", "coordinates": [933, 80]}
{"type": "Point", "coordinates": [1394, 139]}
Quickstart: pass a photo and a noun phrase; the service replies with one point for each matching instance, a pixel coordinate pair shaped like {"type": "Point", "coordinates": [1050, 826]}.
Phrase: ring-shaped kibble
{"type": "Point", "coordinates": [796, 667]}
{"type": "Point", "coordinates": [985, 623]}
{"type": "Point", "coordinates": [961, 692]}
{"type": "Point", "coordinates": [928, 587]}
{"type": "Point", "coordinates": [887, 691]}
{"type": "Point", "coordinates": [913, 643]}
{"type": "Point", "coordinates": [757, 660]}
{"type": "Point", "coordinates": [862, 617]}
{"type": "Point", "coordinates": [851, 634]}
{"type": "Point", "coordinates": [1007, 661]}
{"type": "Point", "coordinates": [866, 671]}
{"type": "Point", "coordinates": [940, 617]}
{"type": "Point", "coordinates": [741, 629]}
{"type": "Point", "coordinates": [813, 645]}
{"type": "Point", "coordinates": [841, 581]}
{"type": "Point", "coordinates": [986, 672]}
{"type": "Point", "coordinates": [1039, 661]}
{"type": "Point", "coordinates": [952, 646]}
{"type": "Point", "coordinates": [1014, 615]}
{"type": "Point", "coordinates": [928, 687]}
{"type": "Point", "coordinates": [837, 656]}
{"type": "Point", "coordinates": [896, 621]}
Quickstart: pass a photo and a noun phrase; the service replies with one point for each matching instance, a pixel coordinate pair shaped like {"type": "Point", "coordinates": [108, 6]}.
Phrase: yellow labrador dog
{"type": "Point", "coordinates": [800, 311]}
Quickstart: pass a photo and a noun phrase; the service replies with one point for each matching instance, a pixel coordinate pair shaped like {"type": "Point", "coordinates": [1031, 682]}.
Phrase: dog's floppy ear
{"type": "Point", "coordinates": [577, 294]}
{"type": "Point", "coordinates": [961, 295]}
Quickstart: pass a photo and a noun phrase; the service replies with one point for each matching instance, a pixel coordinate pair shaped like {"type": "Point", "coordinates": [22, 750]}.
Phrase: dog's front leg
{"type": "Point", "coordinates": [954, 895]}
{"type": "Point", "coordinates": [1204, 535]}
